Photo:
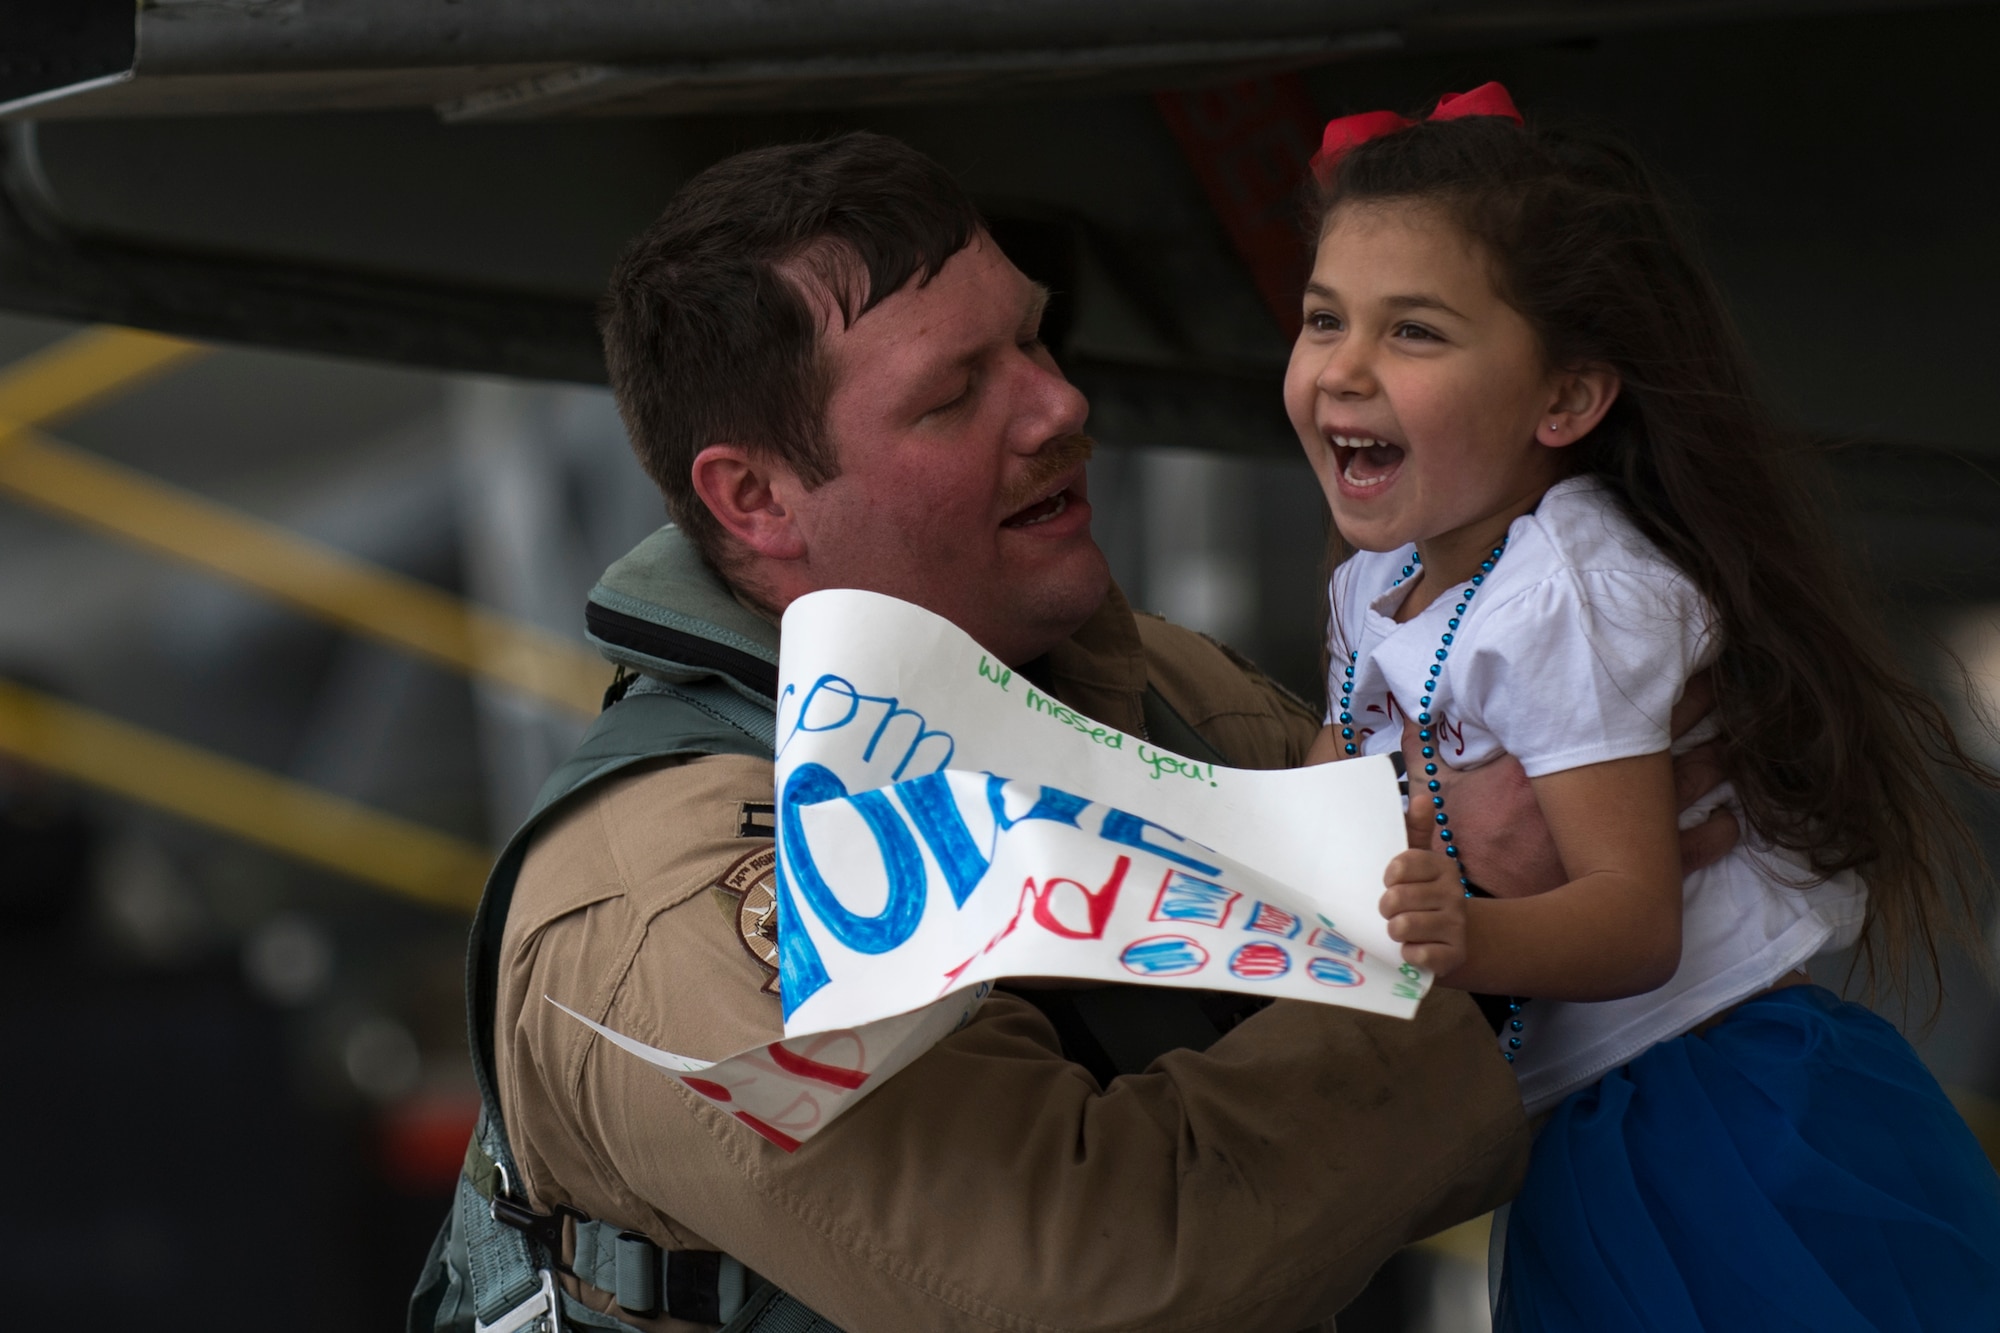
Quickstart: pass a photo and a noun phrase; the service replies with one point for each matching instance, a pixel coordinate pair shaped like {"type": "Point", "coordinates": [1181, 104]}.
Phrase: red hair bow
{"type": "Point", "coordinates": [1488, 99]}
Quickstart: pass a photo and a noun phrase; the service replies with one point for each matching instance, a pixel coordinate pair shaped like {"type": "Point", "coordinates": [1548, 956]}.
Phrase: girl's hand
{"type": "Point", "coordinates": [1425, 908]}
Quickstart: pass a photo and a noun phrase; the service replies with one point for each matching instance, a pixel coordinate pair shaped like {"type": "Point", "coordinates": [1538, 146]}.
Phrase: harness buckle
{"type": "Point", "coordinates": [545, 1229]}
{"type": "Point", "coordinates": [541, 1312]}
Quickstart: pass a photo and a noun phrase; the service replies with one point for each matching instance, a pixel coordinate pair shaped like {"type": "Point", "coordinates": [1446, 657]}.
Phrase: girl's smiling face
{"type": "Point", "coordinates": [1422, 399]}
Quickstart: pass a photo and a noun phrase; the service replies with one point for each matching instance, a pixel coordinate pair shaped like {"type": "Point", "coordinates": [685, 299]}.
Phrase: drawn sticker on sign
{"type": "Point", "coordinates": [1332, 972]}
{"type": "Point", "coordinates": [1260, 962]}
{"type": "Point", "coordinates": [942, 824]}
{"type": "Point", "coordinates": [1334, 942]}
{"type": "Point", "coordinates": [1164, 956]}
{"type": "Point", "coordinates": [1273, 920]}
{"type": "Point", "coordinates": [1185, 899]}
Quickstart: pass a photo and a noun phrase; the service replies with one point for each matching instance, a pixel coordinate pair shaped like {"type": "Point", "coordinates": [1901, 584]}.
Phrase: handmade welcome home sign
{"type": "Point", "coordinates": [943, 823]}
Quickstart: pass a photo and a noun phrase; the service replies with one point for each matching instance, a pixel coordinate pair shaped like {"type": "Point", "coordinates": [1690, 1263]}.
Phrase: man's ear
{"type": "Point", "coordinates": [747, 492]}
{"type": "Point", "coordinates": [1580, 399]}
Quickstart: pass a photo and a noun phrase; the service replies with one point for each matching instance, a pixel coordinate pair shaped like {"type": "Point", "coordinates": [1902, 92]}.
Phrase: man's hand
{"type": "Point", "coordinates": [1500, 831]}
{"type": "Point", "coordinates": [1425, 908]}
{"type": "Point", "coordinates": [1696, 774]}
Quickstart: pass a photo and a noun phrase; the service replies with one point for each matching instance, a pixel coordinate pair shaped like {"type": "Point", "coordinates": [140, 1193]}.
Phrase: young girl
{"type": "Point", "coordinates": [1535, 427]}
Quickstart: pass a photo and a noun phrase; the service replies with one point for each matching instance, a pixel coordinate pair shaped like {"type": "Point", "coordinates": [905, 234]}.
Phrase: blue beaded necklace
{"type": "Point", "coordinates": [1424, 734]}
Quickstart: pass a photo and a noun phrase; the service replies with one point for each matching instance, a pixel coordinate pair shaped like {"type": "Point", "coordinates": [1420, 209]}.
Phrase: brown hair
{"type": "Point", "coordinates": [1833, 750]}
{"type": "Point", "coordinates": [708, 339]}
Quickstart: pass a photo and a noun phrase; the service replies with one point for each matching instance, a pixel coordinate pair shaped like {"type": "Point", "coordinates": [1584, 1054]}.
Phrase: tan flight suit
{"type": "Point", "coordinates": [993, 1184]}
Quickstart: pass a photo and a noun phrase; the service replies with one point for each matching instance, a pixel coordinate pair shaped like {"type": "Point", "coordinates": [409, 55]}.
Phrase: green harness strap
{"type": "Point", "coordinates": [1167, 728]}
{"type": "Point", "coordinates": [491, 1268]}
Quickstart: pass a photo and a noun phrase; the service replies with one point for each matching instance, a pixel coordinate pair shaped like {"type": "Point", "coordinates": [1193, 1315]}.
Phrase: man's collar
{"type": "Point", "coordinates": [662, 611]}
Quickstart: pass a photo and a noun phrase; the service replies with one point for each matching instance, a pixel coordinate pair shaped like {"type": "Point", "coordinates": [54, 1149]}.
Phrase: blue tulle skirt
{"type": "Point", "coordinates": [1795, 1167]}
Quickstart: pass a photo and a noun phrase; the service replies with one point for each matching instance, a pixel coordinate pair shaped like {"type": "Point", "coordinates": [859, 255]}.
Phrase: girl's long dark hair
{"type": "Point", "coordinates": [1835, 753]}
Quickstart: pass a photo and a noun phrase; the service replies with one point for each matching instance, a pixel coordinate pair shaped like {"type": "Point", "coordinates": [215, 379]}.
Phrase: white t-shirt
{"type": "Point", "coordinates": [1574, 652]}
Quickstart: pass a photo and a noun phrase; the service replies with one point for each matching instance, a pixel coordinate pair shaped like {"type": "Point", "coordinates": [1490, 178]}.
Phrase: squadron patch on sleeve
{"type": "Point", "coordinates": [748, 895]}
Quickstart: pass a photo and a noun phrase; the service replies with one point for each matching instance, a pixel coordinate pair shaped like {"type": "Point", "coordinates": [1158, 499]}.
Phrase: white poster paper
{"type": "Point", "coordinates": [943, 823]}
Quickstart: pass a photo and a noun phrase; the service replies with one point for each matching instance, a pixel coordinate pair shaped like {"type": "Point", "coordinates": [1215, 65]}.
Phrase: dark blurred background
{"type": "Point", "coordinates": [239, 1063]}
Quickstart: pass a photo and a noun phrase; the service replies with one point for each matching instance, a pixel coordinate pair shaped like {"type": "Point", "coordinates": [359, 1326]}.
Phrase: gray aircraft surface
{"type": "Point", "coordinates": [446, 184]}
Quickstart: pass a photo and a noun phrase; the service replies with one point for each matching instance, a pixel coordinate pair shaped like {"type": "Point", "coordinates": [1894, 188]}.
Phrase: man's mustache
{"type": "Point", "coordinates": [1057, 458]}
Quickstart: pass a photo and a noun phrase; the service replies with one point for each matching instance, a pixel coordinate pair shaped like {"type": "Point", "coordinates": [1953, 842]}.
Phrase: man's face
{"type": "Point", "coordinates": [961, 483]}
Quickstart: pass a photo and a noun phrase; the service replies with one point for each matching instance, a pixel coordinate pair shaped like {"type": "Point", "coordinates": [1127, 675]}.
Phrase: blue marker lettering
{"type": "Point", "coordinates": [1129, 830]}
{"type": "Point", "coordinates": [811, 784]}
{"type": "Point", "coordinates": [1054, 804]}
{"type": "Point", "coordinates": [935, 813]}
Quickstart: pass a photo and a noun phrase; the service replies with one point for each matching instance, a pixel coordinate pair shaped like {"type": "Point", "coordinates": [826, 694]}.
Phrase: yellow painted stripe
{"type": "Point", "coordinates": [237, 798]}
{"type": "Point", "coordinates": [68, 375]}
{"type": "Point", "coordinates": [84, 367]}
{"type": "Point", "coordinates": [1982, 1116]}
{"type": "Point", "coordinates": [315, 578]}
{"type": "Point", "coordinates": [1465, 1242]}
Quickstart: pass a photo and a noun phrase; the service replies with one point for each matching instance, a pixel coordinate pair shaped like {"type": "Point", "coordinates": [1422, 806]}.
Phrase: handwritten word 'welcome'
{"type": "Point", "coordinates": [833, 704]}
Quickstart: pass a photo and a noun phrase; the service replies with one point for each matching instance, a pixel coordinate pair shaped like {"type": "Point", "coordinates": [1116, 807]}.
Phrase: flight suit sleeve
{"type": "Point", "coordinates": [1256, 1185]}
{"type": "Point", "coordinates": [993, 1183]}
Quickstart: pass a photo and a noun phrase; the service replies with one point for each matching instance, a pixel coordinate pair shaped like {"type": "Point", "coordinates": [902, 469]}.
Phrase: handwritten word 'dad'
{"type": "Point", "coordinates": [944, 823]}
